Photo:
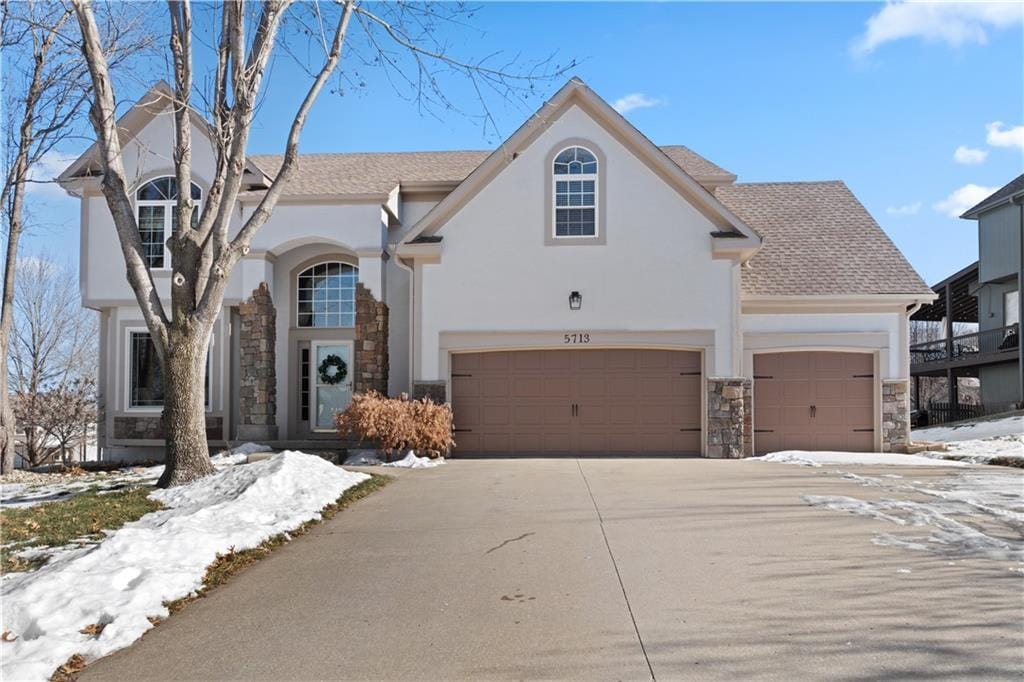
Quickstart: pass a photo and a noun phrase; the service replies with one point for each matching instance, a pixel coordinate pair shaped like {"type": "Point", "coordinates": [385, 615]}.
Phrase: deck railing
{"type": "Point", "coordinates": [967, 346]}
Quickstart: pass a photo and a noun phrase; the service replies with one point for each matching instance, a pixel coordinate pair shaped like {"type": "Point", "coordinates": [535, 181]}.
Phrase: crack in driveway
{"type": "Point", "coordinates": [524, 535]}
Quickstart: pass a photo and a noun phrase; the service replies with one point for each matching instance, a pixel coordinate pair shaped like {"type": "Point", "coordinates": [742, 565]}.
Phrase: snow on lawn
{"type": "Point", "coordinates": [410, 461]}
{"type": "Point", "coordinates": [163, 556]}
{"type": "Point", "coordinates": [1005, 426]}
{"type": "Point", "coordinates": [817, 459]}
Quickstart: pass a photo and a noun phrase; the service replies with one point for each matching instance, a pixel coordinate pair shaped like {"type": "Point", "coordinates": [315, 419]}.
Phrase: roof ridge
{"type": "Point", "coordinates": [790, 182]}
{"type": "Point", "coordinates": [379, 153]}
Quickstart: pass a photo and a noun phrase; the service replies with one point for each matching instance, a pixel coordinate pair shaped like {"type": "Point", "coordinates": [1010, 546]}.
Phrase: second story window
{"type": "Point", "coordinates": [154, 205]}
{"type": "Point", "coordinates": [575, 179]}
{"type": "Point", "coordinates": [327, 295]}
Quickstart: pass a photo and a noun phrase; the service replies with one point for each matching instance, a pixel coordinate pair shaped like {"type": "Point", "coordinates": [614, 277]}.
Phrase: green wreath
{"type": "Point", "coordinates": [324, 370]}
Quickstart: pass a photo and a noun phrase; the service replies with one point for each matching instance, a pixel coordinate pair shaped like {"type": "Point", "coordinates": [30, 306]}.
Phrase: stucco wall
{"type": "Point", "coordinates": [654, 273]}
{"type": "Point", "coordinates": [881, 332]}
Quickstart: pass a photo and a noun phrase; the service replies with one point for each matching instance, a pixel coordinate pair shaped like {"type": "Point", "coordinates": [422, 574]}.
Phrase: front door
{"type": "Point", "coordinates": [330, 379]}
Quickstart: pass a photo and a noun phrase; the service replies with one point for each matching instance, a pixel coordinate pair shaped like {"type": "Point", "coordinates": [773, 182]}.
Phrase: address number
{"type": "Point", "coordinates": [577, 338]}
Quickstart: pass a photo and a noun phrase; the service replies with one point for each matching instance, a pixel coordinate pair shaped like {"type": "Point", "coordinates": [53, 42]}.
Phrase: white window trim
{"type": "Point", "coordinates": [355, 288]}
{"type": "Point", "coordinates": [1007, 307]}
{"type": "Point", "coordinates": [126, 402]}
{"type": "Point", "coordinates": [555, 178]}
{"type": "Point", "coordinates": [169, 205]}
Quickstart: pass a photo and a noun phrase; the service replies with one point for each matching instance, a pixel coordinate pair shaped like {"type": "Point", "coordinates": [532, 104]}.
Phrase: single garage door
{"type": "Point", "coordinates": [594, 401]}
{"type": "Point", "coordinates": [814, 401]}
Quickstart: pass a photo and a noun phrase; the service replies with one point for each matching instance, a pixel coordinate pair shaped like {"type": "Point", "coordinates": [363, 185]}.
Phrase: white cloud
{"type": "Point", "coordinates": [636, 100]}
{"type": "Point", "coordinates": [1001, 136]}
{"type": "Point", "coordinates": [962, 199]}
{"type": "Point", "coordinates": [49, 166]}
{"type": "Point", "coordinates": [906, 209]}
{"type": "Point", "coordinates": [969, 156]}
{"type": "Point", "coordinates": [952, 23]}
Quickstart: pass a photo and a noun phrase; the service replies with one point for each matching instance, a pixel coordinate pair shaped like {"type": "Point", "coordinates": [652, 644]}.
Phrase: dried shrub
{"type": "Point", "coordinates": [398, 424]}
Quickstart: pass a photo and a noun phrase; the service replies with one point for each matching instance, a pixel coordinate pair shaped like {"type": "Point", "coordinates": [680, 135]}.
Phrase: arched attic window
{"type": "Point", "coordinates": [326, 295]}
{"type": "Point", "coordinates": [154, 206]}
{"type": "Point", "coordinates": [575, 179]}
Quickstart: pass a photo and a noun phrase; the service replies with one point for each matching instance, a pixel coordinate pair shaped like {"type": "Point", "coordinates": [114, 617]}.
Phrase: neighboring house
{"type": "Point", "coordinates": [985, 293]}
{"type": "Point", "coordinates": [577, 290]}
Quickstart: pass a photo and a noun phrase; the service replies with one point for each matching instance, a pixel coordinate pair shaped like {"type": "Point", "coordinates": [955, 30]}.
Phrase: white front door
{"type": "Point", "coordinates": [330, 380]}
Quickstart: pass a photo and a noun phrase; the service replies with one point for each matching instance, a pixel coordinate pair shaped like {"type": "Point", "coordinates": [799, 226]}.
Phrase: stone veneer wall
{"type": "Point", "coordinates": [729, 418]}
{"type": "Point", "coordinates": [257, 337]}
{"type": "Point", "coordinates": [895, 416]}
{"type": "Point", "coordinates": [152, 428]}
{"type": "Point", "coordinates": [371, 344]}
{"type": "Point", "coordinates": [434, 390]}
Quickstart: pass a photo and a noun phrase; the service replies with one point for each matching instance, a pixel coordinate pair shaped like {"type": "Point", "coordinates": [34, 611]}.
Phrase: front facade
{"type": "Point", "coordinates": [579, 290]}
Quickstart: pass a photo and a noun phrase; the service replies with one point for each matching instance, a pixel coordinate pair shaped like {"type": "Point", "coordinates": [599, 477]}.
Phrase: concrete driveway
{"type": "Point", "coordinates": [597, 569]}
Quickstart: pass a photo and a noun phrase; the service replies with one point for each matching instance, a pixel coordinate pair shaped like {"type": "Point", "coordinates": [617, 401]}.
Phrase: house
{"type": "Point", "coordinates": [985, 296]}
{"type": "Point", "coordinates": [576, 290]}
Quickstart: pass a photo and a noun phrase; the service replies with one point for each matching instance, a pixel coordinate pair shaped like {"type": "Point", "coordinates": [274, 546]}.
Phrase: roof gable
{"type": "Point", "coordinates": [575, 92]}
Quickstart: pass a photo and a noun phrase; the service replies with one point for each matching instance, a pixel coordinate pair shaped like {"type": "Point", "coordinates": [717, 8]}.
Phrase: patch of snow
{"type": "Point", "coordinates": [411, 461]}
{"type": "Point", "coordinates": [983, 450]}
{"type": "Point", "coordinates": [239, 453]}
{"type": "Point", "coordinates": [163, 556]}
{"type": "Point", "coordinates": [817, 459]}
{"type": "Point", "coordinates": [1006, 426]}
{"type": "Point", "coordinates": [977, 513]}
{"type": "Point", "coordinates": [363, 459]}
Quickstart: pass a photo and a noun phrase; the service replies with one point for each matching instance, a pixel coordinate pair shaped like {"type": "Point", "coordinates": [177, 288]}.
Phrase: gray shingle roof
{"type": "Point", "coordinates": [379, 172]}
{"type": "Point", "coordinates": [1010, 189]}
{"type": "Point", "coordinates": [818, 240]}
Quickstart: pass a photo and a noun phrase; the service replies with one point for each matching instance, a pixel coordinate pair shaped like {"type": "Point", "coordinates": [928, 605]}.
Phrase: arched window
{"type": "Point", "coordinates": [575, 180]}
{"type": "Point", "coordinates": [154, 206]}
{"type": "Point", "coordinates": [327, 295]}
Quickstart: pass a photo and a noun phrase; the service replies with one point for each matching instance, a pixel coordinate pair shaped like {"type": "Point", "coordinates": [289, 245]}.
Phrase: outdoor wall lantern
{"type": "Point", "coordinates": [575, 300]}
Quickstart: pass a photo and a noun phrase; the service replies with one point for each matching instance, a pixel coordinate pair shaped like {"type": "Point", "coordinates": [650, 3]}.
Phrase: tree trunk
{"type": "Point", "coordinates": [187, 455]}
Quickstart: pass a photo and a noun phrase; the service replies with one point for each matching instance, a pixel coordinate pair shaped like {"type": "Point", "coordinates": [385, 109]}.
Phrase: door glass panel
{"type": "Point", "coordinates": [331, 397]}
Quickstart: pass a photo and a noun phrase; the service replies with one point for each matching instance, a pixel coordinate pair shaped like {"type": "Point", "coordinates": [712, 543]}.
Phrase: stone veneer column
{"type": "Point", "coordinates": [729, 418]}
{"type": "Point", "coordinates": [371, 346]}
{"type": "Point", "coordinates": [257, 338]}
{"type": "Point", "coordinates": [895, 416]}
{"type": "Point", "coordinates": [436, 391]}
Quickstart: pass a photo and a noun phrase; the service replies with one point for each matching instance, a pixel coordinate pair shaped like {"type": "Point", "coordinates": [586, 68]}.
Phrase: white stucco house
{"type": "Point", "coordinates": [576, 290]}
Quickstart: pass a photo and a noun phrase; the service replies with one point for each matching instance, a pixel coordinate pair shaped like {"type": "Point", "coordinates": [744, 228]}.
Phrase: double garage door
{"type": "Point", "coordinates": [814, 401]}
{"type": "Point", "coordinates": [632, 401]}
{"type": "Point", "coordinates": [594, 401]}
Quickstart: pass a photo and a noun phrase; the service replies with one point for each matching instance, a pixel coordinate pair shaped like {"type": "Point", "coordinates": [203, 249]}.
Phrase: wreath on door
{"type": "Point", "coordinates": [332, 370]}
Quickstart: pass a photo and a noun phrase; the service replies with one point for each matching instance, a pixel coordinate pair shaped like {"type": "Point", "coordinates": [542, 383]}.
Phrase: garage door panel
{"type": "Point", "coordinates": [498, 387]}
{"type": "Point", "coordinates": [629, 401]}
{"type": "Point", "coordinates": [832, 382]}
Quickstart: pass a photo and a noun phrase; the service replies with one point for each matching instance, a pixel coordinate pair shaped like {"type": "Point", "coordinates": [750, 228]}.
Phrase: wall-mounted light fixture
{"type": "Point", "coordinates": [575, 300]}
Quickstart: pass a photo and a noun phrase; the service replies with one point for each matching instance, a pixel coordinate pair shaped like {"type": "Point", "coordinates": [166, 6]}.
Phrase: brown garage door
{"type": "Point", "coordinates": [550, 402]}
{"type": "Point", "coordinates": [814, 401]}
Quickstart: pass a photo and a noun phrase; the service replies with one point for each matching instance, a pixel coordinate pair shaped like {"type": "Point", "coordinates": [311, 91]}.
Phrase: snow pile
{"type": "Point", "coordinates": [240, 453]}
{"type": "Point", "coordinates": [977, 514]}
{"type": "Point", "coordinates": [983, 450]}
{"type": "Point", "coordinates": [411, 461]}
{"type": "Point", "coordinates": [161, 557]}
{"type": "Point", "coordinates": [1006, 426]}
{"type": "Point", "coordinates": [816, 459]}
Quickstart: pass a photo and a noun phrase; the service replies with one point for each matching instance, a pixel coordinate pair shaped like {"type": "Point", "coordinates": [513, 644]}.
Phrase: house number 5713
{"type": "Point", "coordinates": [577, 337]}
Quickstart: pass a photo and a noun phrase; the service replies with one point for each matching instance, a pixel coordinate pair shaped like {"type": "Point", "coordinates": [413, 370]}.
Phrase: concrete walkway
{"type": "Point", "coordinates": [596, 569]}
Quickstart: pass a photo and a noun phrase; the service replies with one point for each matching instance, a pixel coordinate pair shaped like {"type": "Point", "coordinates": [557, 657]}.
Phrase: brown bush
{"type": "Point", "coordinates": [398, 424]}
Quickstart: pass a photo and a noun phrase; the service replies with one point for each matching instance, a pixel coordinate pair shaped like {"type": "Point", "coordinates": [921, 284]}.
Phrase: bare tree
{"type": "Point", "coordinates": [45, 86]}
{"type": "Point", "coordinates": [53, 358]}
{"type": "Point", "coordinates": [203, 256]}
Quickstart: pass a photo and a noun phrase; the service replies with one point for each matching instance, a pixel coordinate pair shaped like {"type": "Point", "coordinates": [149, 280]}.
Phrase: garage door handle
{"type": "Point", "coordinates": [814, 411]}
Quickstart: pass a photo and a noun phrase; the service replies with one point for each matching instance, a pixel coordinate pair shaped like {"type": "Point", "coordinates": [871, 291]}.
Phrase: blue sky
{"type": "Point", "coordinates": [880, 97]}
